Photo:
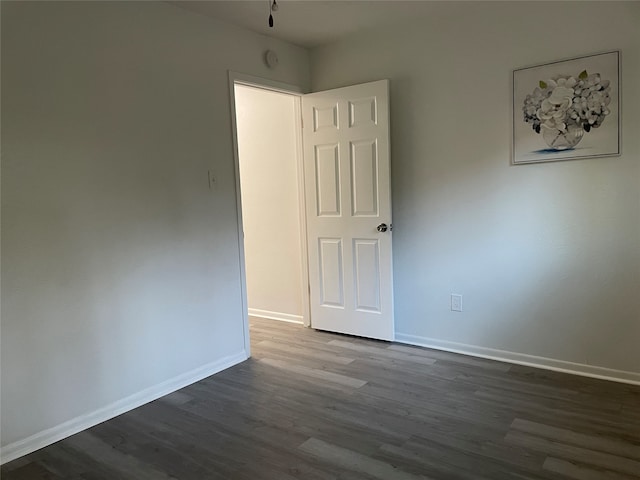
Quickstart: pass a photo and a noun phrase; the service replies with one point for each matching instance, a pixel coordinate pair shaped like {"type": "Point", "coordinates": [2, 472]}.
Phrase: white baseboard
{"type": "Point", "coordinates": [71, 427]}
{"type": "Point", "coordinates": [283, 317]}
{"type": "Point", "coordinates": [622, 376]}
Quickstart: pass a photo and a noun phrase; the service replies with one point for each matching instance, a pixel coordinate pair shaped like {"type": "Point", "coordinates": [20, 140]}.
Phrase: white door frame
{"type": "Point", "coordinates": [236, 78]}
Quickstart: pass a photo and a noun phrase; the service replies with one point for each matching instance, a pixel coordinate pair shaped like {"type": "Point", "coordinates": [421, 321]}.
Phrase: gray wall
{"type": "Point", "coordinates": [120, 267]}
{"type": "Point", "coordinates": [547, 256]}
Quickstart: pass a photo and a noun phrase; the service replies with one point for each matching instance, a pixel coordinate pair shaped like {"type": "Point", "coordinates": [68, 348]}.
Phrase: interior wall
{"type": "Point", "coordinates": [120, 267]}
{"type": "Point", "coordinates": [546, 256]}
{"type": "Point", "coordinates": [268, 153]}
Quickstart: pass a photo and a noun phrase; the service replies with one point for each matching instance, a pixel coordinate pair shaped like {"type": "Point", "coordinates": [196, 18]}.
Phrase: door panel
{"type": "Point", "coordinates": [331, 272]}
{"type": "Point", "coordinates": [364, 178]}
{"type": "Point", "coordinates": [366, 272]}
{"type": "Point", "coordinates": [347, 184]}
{"type": "Point", "coordinates": [327, 180]}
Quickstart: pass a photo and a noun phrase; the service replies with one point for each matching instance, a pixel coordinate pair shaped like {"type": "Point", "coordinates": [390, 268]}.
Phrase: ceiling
{"type": "Point", "coordinates": [311, 23]}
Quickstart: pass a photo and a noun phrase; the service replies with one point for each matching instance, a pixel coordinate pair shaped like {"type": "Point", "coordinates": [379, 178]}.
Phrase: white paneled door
{"type": "Point", "coordinates": [348, 201]}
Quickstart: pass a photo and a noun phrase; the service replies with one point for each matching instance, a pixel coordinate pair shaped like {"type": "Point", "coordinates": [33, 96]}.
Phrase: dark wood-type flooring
{"type": "Point", "coordinates": [319, 406]}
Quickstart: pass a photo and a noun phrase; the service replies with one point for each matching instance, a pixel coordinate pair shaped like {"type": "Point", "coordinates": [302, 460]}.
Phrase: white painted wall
{"type": "Point", "coordinates": [547, 256]}
{"type": "Point", "coordinates": [267, 145]}
{"type": "Point", "coordinates": [120, 268]}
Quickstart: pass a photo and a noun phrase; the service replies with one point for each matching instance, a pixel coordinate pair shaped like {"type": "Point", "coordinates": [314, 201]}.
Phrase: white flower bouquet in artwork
{"type": "Point", "coordinates": [564, 108]}
{"type": "Point", "coordinates": [567, 109]}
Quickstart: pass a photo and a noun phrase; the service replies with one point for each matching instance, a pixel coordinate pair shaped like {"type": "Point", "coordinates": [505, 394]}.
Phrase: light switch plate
{"type": "Point", "coordinates": [456, 302]}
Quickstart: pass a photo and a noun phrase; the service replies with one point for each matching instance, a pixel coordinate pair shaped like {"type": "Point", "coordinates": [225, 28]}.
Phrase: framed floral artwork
{"type": "Point", "coordinates": [567, 109]}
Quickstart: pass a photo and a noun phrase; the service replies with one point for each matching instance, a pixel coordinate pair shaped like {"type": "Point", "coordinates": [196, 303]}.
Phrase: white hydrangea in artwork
{"type": "Point", "coordinates": [566, 103]}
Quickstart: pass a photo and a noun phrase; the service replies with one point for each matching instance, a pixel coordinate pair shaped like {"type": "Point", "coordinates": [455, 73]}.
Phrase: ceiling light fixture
{"type": "Point", "coordinates": [273, 7]}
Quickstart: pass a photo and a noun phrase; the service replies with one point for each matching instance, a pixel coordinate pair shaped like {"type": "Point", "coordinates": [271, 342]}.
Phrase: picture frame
{"type": "Point", "coordinates": [567, 109]}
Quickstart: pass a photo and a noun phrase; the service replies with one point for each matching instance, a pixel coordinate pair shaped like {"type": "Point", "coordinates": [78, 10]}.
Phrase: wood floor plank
{"type": "Point", "coordinates": [453, 358]}
{"type": "Point", "coordinates": [592, 442]}
{"type": "Point", "coordinates": [570, 452]}
{"type": "Point", "coordinates": [69, 463]}
{"type": "Point", "coordinates": [383, 352]}
{"type": "Point", "coordinates": [452, 460]}
{"type": "Point", "coordinates": [219, 442]}
{"type": "Point", "coordinates": [570, 413]}
{"type": "Point", "coordinates": [122, 463]}
{"type": "Point", "coordinates": [415, 462]}
{"type": "Point", "coordinates": [176, 398]}
{"type": "Point", "coordinates": [356, 462]}
{"type": "Point", "coordinates": [315, 373]}
{"type": "Point", "coordinates": [581, 472]}
{"type": "Point", "coordinates": [33, 471]}
{"type": "Point", "coordinates": [289, 350]}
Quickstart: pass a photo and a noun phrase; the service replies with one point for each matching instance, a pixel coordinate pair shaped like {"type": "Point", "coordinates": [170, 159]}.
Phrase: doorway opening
{"type": "Point", "coordinates": [344, 202]}
{"type": "Point", "coordinates": [269, 181]}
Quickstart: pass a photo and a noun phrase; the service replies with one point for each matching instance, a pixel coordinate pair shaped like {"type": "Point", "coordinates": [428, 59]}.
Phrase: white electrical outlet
{"type": "Point", "coordinates": [456, 302]}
